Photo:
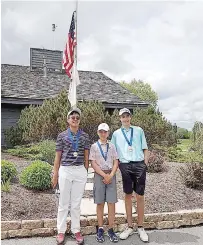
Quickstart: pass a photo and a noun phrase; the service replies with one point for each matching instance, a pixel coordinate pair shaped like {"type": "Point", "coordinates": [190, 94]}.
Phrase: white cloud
{"type": "Point", "coordinates": [158, 42]}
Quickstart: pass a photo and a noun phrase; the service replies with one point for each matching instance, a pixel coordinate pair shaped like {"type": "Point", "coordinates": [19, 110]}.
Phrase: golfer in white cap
{"type": "Point", "coordinates": [104, 161]}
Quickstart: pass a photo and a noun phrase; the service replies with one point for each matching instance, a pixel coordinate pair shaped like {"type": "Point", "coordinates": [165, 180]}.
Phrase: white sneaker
{"type": "Point", "coordinates": [143, 235]}
{"type": "Point", "coordinates": [126, 233]}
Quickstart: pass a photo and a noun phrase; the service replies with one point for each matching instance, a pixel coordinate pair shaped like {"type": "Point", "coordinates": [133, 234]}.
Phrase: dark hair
{"type": "Point", "coordinates": [73, 112]}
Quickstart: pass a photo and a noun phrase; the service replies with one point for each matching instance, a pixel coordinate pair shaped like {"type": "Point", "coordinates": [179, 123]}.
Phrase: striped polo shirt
{"type": "Point", "coordinates": [64, 144]}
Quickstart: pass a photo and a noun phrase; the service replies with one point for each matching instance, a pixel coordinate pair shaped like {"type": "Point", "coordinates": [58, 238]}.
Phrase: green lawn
{"type": "Point", "coordinates": [184, 144]}
{"type": "Point", "coordinates": [185, 155]}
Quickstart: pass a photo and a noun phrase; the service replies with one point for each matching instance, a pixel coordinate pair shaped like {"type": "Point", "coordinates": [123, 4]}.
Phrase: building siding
{"type": "Point", "coordinates": [10, 114]}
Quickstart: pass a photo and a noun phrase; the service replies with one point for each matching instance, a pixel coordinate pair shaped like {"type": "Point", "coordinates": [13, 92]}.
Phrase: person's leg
{"type": "Point", "coordinates": [128, 190]}
{"type": "Point", "coordinates": [65, 184]}
{"type": "Point", "coordinates": [111, 199]}
{"type": "Point", "coordinates": [128, 208]}
{"type": "Point", "coordinates": [100, 214]}
{"type": "Point", "coordinates": [139, 171]}
{"type": "Point", "coordinates": [99, 191]}
{"type": "Point", "coordinates": [100, 218]}
{"type": "Point", "coordinates": [140, 210]}
{"type": "Point", "coordinates": [111, 214]}
{"type": "Point", "coordinates": [111, 218]}
{"type": "Point", "coordinates": [77, 191]}
{"type": "Point", "coordinates": [139, 188]}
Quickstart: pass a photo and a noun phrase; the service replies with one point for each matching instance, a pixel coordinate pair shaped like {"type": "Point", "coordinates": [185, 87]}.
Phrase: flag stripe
{"type": "Point", "coordinates": [68, 57]}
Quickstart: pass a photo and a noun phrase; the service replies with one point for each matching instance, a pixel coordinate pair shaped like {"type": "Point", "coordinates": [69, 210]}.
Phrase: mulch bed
{"type": "Point", "coordinates": [164, 193]}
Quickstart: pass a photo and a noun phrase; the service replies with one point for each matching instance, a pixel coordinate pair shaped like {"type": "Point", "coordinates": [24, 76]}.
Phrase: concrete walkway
{"type": "Point", "coordinates": [185, 236]}
{"type": "Point", "coordinates": [89, 208]}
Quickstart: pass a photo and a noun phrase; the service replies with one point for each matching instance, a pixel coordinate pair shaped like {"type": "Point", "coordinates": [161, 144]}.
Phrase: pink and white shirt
{"type": "Point", "coordinates": [96, 155]}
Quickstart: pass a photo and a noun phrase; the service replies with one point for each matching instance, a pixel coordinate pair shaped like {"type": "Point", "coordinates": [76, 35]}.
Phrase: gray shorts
{"type": "Point", "coordinates": [102, 192]}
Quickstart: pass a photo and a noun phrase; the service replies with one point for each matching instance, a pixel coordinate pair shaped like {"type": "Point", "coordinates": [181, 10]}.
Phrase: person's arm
{"type": "Point", "coordinates": [97, 169]}
{"type": "Point", "coordinates": [144, 147]}
{"type": "Point", "coordinates": [57, 161]}
{"type": "Point", "coordinates": [146, 156]}
{"type": "Point", "coordinates": [86, 153]}
{"type": "Point", "coordinates": [115, 167]}
{"type": "Point", "coordinates": [109, 177]}
{"type": "Point", "coordinates": [56, 168]}
{"type": "Point", "coordinates": [115, 161]}
{"type": "Point", "coordinates": [113, 139]}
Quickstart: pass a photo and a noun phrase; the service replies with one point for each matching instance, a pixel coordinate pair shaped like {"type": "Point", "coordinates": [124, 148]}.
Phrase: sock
{"type": "Point", "coordinates": [140, 226]}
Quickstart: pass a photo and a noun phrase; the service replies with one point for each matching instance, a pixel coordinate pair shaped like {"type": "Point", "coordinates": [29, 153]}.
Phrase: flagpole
{"type": "Point", "coordinates": [75, 49]}
{"type": "Point", "coordinates": [76, 31]}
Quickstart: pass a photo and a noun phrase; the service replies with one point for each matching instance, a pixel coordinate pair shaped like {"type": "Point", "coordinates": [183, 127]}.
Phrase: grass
{"type": "Point", "coordinates": [182, 152]}
{"type": "Point", "coordinates": [6, 186]}
{"type": "Point", "coordinates": [44, 151]}
{"type": "Point", "coordinates": [184, 144]}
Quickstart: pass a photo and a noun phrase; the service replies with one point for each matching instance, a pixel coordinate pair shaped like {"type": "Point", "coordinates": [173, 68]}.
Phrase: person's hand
{"type": "Point", "coordinates": [107, 179]}
{"type": "Point", "coordinates": [54, 180]}
{"type": "Point", "coordinates": [146, 161]}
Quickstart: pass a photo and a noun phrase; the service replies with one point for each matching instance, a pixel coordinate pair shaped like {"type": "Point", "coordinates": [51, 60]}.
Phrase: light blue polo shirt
{"type": "Point", "coordinates": [139, 144]}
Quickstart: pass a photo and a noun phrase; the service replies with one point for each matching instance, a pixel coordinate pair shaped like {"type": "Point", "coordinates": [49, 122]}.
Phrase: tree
{"type": "Point", "coordinates": [142, 90]}
{"type": "Point", "coordinates": [183, 133]}
{"type": "Point", "coordinates": [156, 127]}
{"type": "Point", "coordinates": [197, 137]}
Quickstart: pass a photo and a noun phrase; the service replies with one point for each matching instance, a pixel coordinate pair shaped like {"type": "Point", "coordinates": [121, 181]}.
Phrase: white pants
{"type": "Point", "coordinates": [72, 180]}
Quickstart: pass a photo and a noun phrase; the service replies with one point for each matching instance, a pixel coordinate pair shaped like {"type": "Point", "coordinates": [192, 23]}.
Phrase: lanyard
{"type": "Point", "coordinates": [102, 153]}
{"type": "Point", "coordinates": [131, 136]}
{"type": "Point", "coordinates": [74, 143]}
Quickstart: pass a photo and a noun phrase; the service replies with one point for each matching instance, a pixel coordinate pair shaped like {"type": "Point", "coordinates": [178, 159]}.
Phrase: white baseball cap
{"type": "Point", "coordinates": [103, 126]}
{"type": "Point", "coordinates": [77, 110]}
{"type": "Point", "coordinates": [124, 110]}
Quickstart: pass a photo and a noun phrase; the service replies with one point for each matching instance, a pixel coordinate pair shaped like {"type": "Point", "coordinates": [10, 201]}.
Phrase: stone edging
{"type": "Point", "coordinates": [47, 227]}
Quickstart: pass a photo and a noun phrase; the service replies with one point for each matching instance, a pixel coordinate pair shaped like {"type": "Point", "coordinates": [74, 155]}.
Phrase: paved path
{"type": "Point", "coordinates": [184, 236]}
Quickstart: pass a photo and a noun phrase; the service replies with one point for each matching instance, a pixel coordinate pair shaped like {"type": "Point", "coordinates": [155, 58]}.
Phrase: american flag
{"type": "Point", "coordinates": [68, 56]}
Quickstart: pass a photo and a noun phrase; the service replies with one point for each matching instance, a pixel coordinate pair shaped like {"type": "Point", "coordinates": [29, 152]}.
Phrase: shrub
{"type": "Point", "coordinates": [157, 129]}
{"type": "Point", "coordinates": [37, 176]}
{"type": "Point", "coordinates": [47, 149]}
{"type": "Point", "coordinates": [8, 171]}
{"type": "Point", "coordinates": [155, 162]}
{"type": "Point", "coordinates": [44, 150]}
{"type": "Point", "coordinates": [6, 186]}
{"type": "Point", "coordinates": [46, 121]}
{"type": "Point", "coordinates": [192, 175]}
{"type": "Point", "coordinates": [25, 151]}
{"type": "Point", "coordinates": [13, 136]}
{"type": "Point", "coordinates": [93, 113]}
{"type": "Point", "coordinates": [38, 123]}
{"type": "Point", "coordinates": [174, 154]}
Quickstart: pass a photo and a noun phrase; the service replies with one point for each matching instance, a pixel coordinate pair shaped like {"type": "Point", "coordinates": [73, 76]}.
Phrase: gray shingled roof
{"type": "Point", "coordinates": [21, 83]}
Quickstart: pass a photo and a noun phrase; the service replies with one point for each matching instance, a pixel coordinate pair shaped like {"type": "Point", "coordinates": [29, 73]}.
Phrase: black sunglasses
{"type": "Point", "coordinates": [75, 117]}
